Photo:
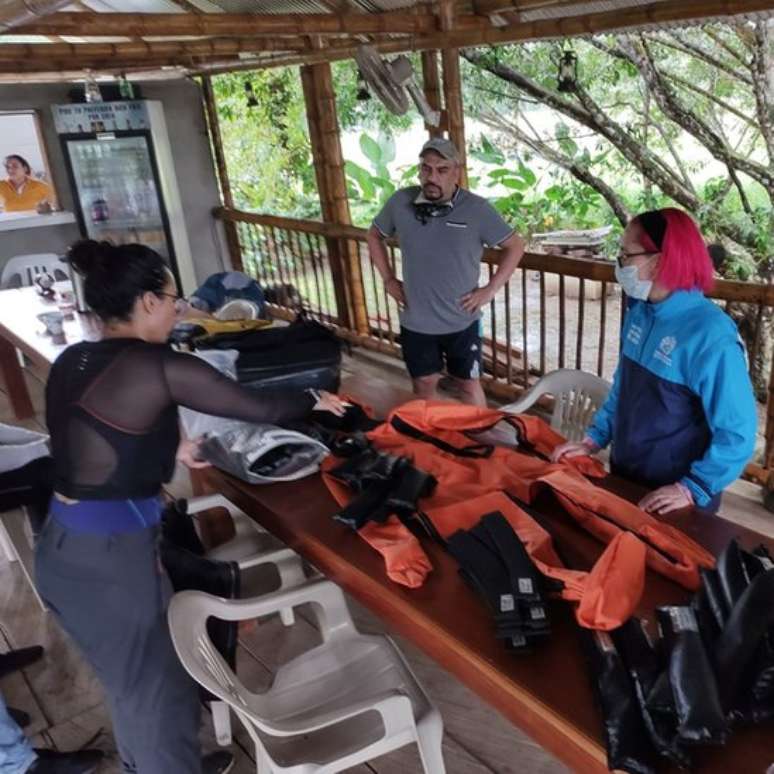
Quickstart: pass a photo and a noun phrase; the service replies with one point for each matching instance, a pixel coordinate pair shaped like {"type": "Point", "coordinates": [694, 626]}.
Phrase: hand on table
{"type": "Point", "coordinates": [574, 449]}
{"type": "Point", "coordinates": [667, 498]}
{"type": "Point", "coordinates": [473, 301]}
{"type": "Point", "coordinates": [330, 402]}
{"type": "Point", "coordinates": [188, 452]}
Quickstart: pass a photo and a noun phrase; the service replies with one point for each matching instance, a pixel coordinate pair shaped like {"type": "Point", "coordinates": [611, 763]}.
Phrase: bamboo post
{"type": "Point", "coordinates": [768, 459]}
{"type": "Point", "coordinates": [432, 86]}
{"type": "Point", "coordinates": [320, 99]}
{"type": "Point", "coordinates": [216, 140]}
{"type": "Point", "coordinates": [452, 90]}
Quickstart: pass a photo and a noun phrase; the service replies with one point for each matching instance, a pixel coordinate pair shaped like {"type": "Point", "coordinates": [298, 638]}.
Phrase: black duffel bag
{"type": "Point", "coordinates": [298, 356]}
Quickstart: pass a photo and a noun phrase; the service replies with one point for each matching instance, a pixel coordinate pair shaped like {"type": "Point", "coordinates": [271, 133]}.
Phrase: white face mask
{"type": "Point", "coordinates": [629, 279]}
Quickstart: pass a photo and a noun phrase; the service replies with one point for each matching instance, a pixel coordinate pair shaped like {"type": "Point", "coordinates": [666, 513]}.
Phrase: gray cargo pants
{"type": "Point", "coordinates": [110, 595]}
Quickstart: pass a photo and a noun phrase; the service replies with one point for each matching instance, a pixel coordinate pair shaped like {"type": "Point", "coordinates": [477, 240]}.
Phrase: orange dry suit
{"type": "Point", "coordinates": [439, 438]}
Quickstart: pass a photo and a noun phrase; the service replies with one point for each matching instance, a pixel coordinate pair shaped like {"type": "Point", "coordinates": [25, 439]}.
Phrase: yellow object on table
{"type": "Point", "coordinates": [213, 326]}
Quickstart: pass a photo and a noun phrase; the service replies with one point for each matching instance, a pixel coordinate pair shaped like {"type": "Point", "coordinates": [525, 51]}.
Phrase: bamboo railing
{"type": "Point", "coordinates": [554, 312]}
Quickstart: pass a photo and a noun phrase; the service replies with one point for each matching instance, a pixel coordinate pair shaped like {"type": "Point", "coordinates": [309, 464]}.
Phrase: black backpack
{"type": "Point", "coordinates": [297, 356]}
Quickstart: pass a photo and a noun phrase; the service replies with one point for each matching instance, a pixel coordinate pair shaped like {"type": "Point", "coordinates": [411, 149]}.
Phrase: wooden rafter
{"type": "Point", "coordinates": [653, 13]}
{"type": "Point", "coordinates": [221, 54]}
{"type": "Point", "coordinates": [25, 52]}
{"type": "Point", "coordinates": [63, 75]}
{"type": "Point", "coordinates": [665, 11]}
{"type": "Point", "coordinates": [16, 12]}
{"type": "Point", "coordinates": [486, 7]}
{"type": "Point", "coordinates": [186, 5]}
{"type": "Point", "coordinates": [241, 24]}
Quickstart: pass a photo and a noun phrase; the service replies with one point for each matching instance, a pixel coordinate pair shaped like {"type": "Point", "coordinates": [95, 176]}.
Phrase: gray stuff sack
{"type": "Point", "coordinates": [263, 454]}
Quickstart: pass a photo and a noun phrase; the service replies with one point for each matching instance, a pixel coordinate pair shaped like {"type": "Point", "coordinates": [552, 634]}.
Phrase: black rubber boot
{"type": "Point", "coordinates": [76, 762]}
{"type": "Point", "coordinates": [19, 659]}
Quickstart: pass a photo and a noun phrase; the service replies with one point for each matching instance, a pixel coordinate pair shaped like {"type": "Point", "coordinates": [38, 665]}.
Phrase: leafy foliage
{"type": "Point", "coordinates": [369, 189]}
{"type": "Point", "coordinates": [540, 174]}
{"type": "Point", "coordinates": [686, 101]}
{"type": "Point", "coordinates": [267, 146]}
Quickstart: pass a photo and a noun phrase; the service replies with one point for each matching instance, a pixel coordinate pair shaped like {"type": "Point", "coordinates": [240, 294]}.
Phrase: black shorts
{"type": "Point", "coordinates": [425, 353]}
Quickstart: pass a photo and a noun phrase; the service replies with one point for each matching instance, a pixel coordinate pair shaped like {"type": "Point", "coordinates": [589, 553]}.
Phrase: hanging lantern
{"type": "Point", "coordinates": [252, 100]}
{"type": "Point", "coordinates": [362, 90]}
{"type": "Point", "coordinates": [568, 71]}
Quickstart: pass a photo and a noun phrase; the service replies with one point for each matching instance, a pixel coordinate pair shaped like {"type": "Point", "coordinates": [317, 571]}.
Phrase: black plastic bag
{"type": "Point", "coordinates": [627, 740]}
{"type": "Point", "coordinates": [644, 666]}
{"type": "Point", "coordinates": [182, 555]}
{"type": "Point", "coordinates": [740, 641]}
{"type": "Point", "coordinates": [700, 717]}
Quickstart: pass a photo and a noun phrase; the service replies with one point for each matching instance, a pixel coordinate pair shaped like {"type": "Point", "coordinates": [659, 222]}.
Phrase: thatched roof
{"type": "Point", "coordinates": [190, 36]}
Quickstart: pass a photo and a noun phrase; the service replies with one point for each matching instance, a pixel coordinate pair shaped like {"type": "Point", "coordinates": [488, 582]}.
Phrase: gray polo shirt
{"type": "Point", "coordinates": [442, 257]}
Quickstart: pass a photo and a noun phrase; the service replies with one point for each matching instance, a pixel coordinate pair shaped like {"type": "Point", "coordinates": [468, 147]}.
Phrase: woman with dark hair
{"type": "Point", "coordinates": [111, 408]}
{"type": "Point", "coordinates": [681, 414]}
{"type": "Point", "coordinates": [21, 191]}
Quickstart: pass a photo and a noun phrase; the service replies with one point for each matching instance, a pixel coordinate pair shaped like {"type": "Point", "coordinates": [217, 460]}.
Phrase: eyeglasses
{"type": "Point", "coordinates": [181, 302]}
{"type": "Point", "coordinates": [624, 258]}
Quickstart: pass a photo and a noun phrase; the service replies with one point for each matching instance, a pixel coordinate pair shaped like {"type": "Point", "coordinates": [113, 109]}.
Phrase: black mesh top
{"type": "Point", "coordinates": [111, 408]}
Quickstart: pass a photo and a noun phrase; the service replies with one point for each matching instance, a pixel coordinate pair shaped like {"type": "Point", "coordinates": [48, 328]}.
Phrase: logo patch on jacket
{"type": "Point", "coordinates": [665, 348]}
{"type": "Point", "coordinates": [635, 333]}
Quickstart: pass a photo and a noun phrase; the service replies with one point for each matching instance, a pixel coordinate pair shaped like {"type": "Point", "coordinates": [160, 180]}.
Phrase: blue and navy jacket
{"type": "Point", "coordinates": [681, 407]}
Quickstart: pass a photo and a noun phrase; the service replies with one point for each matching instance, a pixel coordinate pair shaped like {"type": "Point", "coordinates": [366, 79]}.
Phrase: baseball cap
{"type": "Point", "coordinates": [442, 147]}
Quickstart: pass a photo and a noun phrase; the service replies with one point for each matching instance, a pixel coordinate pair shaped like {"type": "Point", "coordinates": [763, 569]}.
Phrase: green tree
{"type": "Point", "coordinates": [640, 100]}
{"type": "Point", "coordinates": [267, 145]}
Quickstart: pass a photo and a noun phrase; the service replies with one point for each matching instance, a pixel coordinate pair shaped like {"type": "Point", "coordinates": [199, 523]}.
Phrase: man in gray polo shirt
{"type": "Point", "coordinates": [442, 230]}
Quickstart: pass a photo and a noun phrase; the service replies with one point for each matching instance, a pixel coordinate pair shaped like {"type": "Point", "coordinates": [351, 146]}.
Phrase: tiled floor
{"type": "Point", "coordinates": [65, 700]}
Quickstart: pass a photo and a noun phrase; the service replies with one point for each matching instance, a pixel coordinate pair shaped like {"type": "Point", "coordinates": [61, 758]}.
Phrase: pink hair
{"type": "Point", "coordinates": [685, 262]}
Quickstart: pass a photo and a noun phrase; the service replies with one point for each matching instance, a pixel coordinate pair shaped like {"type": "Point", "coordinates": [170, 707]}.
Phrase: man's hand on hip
{"type": "Point", "coordinates": [473, 301]}
{"type": "Point", "coordinates": [395, 288]}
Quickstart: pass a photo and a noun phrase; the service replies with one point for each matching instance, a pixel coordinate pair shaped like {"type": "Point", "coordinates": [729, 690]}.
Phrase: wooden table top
{"type": "Point", "coordinates": [19, 324]}
{"type": "Point", "coordinates": [548, 693]}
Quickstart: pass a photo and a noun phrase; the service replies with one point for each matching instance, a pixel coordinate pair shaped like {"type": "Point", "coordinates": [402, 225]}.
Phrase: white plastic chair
{"type": "Point", "coordinates": [342, 703]}
{"type": "Point", "coordinates": [18, 446]}
{"type": "Point", "coordinates": [252, 546]}
{"type": "Point", "coordinates": [577, 396]}
{"type": "Point", "coordinates": [27, 267]}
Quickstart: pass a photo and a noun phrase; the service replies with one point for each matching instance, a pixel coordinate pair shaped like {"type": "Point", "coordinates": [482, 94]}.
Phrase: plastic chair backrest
{"type": "Point", "coordinates": [27, 267]}
{"type": "Point", "coordinates": [577, 396]}
{"type": "Point", "coordinates": [188, 614]}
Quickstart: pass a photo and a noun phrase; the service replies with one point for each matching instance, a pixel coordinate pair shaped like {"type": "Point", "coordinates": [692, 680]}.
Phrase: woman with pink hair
{"type": "Point", "coordinates": [680, 416]}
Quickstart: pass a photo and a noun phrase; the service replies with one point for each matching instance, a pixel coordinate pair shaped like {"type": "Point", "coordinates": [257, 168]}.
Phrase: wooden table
{"type": "Point", "coordinates": [20, 329]}
{"type": "Point", "coordinates": [546, 694]}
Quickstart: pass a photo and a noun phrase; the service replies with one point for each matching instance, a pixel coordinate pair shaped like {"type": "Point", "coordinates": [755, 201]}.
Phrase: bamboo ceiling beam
{"type": "Point", "coordinates": [25, 52]}
{"type": "Point", "coordinates": [16, 12]}
{"type": "Point", "coordinates": [113, 66]}
{"type": "Point", "coordinates": [486, 7]}
{"type": "Point", "coordinates": [673, 11]}
{"type": "Point", "coordinates": [241, 24]}
{"type": "Point", "coordinates": [653, 13]}
{"type": "Point", "coordinates": [188, 6]}
{"type": "Point", "coordinates": [62, 75]}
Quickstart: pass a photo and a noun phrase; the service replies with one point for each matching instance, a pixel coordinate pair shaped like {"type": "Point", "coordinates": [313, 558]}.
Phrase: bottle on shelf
{"type": "Point", "coordinates": [91, 89]}
{"type": "Point", "coordinates": [125, 88]}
